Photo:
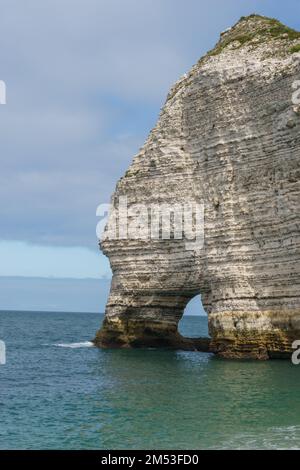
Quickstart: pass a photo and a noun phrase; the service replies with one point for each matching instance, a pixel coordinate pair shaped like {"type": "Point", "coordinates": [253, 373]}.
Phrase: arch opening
{"type": "Point", "coordinates": [194, 321]}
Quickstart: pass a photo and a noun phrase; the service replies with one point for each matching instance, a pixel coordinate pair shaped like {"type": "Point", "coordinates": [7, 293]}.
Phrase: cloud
{"type": "Point", "coordinates": [52, 197]}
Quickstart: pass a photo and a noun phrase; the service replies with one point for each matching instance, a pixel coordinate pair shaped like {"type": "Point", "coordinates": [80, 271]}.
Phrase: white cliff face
{"type": "Point", "coordinates": [227, 137]}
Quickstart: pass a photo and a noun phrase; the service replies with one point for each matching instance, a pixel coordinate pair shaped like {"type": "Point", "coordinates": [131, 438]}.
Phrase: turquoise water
{"type": "Point", "coordinates": [56, 393]}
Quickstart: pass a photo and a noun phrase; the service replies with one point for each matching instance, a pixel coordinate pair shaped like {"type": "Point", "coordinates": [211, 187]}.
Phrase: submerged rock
{"type": "Point", "coordinates": [227, 137]}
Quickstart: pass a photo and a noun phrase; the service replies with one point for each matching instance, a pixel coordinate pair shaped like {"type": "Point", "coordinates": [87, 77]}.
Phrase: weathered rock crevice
{"type": "Point", "coordinates": [227, 137]}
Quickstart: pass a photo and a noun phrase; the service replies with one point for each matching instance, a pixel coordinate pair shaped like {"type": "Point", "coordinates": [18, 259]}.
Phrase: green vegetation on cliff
{"type": "Point", "coordinates": [258, 29]}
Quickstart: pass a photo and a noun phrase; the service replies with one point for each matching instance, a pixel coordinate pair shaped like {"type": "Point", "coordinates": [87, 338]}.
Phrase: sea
{"type": "Point", "coordinates": [57, 391]}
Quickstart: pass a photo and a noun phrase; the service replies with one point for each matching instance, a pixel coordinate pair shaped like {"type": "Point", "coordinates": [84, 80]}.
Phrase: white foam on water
{"type": "Point", "coordinates": [276, 438]}
{"type": "Point", "coordinates": [84, 344]}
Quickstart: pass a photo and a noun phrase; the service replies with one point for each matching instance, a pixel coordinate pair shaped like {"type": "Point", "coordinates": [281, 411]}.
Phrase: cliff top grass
{"type": "Point", "coordinates": [254, 30]}
{"type": "Point", "coordinates": [258, 29]}
{"type": "Point", "coordinates": [295, 49]}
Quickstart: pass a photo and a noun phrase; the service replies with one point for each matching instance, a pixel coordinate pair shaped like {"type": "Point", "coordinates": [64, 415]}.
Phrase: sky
{"type": "Point", "coordinates": [85, 83]}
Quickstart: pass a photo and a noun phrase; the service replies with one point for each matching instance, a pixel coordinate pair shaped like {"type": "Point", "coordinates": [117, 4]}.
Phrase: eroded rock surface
{"type": "Point", "coordinates": [227, 136]}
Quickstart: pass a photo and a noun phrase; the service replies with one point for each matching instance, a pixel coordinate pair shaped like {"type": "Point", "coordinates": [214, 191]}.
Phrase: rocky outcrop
{"type": "Point", "coordinates": [227, 137]}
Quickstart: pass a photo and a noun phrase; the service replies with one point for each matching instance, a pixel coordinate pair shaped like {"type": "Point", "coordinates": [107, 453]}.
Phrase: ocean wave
{"type": "Point", "coordinates": [276, 438]}
{"type": "Point", "coordinates": [84, 344]}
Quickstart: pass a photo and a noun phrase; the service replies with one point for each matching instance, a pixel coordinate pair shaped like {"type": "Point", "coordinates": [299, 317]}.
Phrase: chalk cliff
{"type": "Point", "coordinates": [228, 137]}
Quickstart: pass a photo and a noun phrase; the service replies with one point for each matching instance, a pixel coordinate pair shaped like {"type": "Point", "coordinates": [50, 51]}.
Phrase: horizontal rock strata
{"type": "Point", "coordinates": [227, 137]}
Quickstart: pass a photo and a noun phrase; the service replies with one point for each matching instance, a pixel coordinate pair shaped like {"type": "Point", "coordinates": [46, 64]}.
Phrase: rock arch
{"type": "Point", "coordinates": [227, 137]}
